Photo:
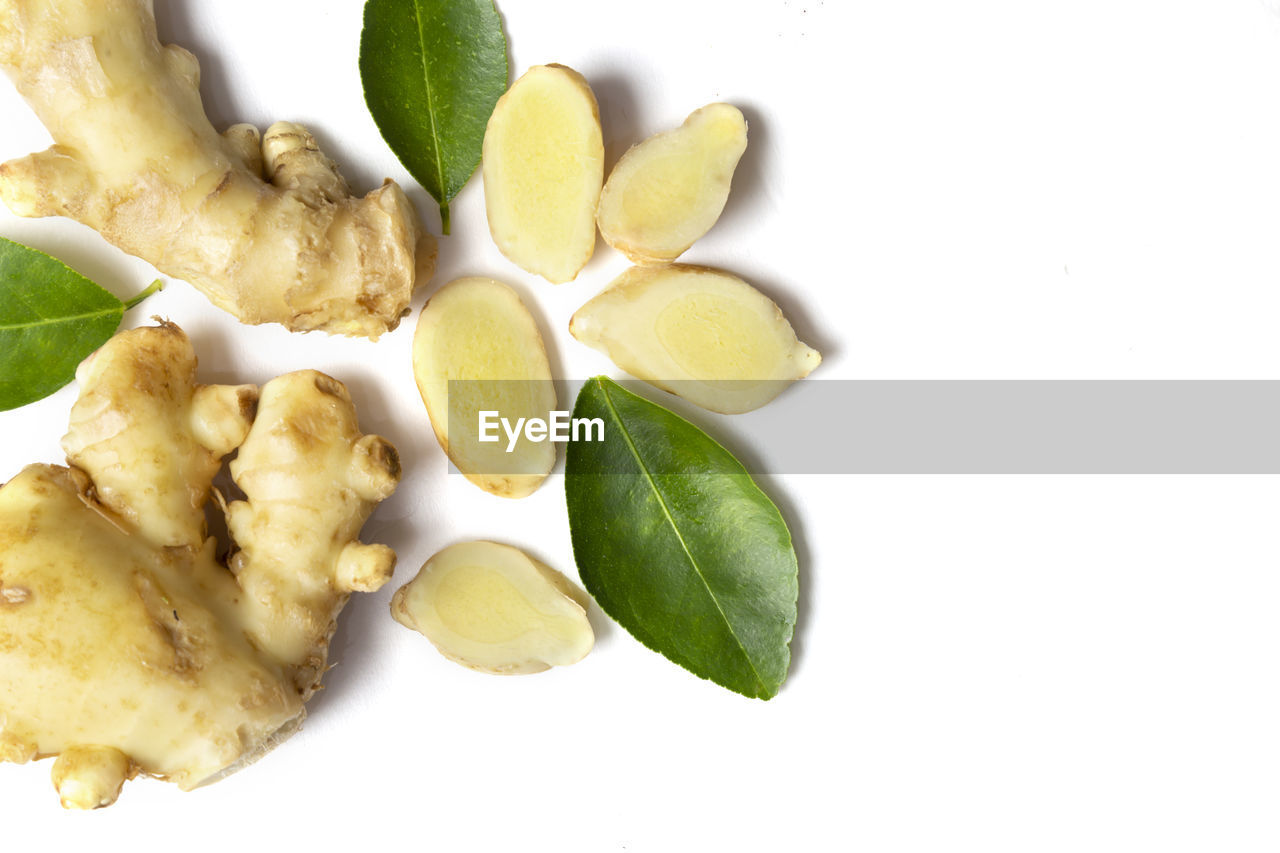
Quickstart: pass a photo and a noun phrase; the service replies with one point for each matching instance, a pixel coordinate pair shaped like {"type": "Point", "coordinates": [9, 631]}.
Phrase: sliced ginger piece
{"type": "Point", "coordinates": [702, 334]}
{"type": "Point", "coordinates": [477, 349]}
{"type": "Point", "coordinates": [493, 608]}
{"type": "Point", "coordinates": [669, 190]}
{"type": "Point", "coordinates": [543, 167]}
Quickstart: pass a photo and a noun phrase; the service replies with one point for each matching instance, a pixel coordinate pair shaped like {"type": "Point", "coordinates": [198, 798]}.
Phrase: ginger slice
{"type": "Point", "coordinates": [699, 333]}
{"type": "Point", "coordinates": [668, 190]}
{"type": "Point", "coordinates": [266, 229]}
{"type": "Point", "coordinates": [477, 349]}
{"type": "Point", "coordinates": [543, 167]}
{"type": "Point", "coordinates": [492, 608]}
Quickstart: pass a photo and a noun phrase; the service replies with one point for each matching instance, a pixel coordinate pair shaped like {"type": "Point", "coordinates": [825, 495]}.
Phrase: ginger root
{"type": "Point", "coordinates": [495, 609]}
{"type": "Point", "coordinates": [126, 646]}
{"type": "Point", "coordinates": [267, 229]}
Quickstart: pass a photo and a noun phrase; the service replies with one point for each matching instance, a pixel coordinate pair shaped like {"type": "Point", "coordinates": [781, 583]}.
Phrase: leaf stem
{"type": "Point", "coordinates": [154, 287]}
{"type": "Point", "coordinates": [444, 217]}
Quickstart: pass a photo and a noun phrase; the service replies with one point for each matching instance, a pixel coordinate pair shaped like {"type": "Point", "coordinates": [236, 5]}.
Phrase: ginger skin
{"type": "Point", "coordinates": [267, 229]}
{"type": "Point", "coordinates": [126, 645]}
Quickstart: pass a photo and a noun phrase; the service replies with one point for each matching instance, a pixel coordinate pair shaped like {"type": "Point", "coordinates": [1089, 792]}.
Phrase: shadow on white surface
{"type": "Point", "coordinates": [175, 24]}
{"type": "Point", "coordinates": [749, 194]}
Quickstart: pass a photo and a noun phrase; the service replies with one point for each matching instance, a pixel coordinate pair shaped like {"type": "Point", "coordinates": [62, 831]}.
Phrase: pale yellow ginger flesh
{"type": "Point", "coordinates": [543, 167]}
{"type": "Point", "coordinates": [493, 608]}
{"type": "Point", "coordinates": [477, 350]}
{"type": "Point", "coordinates": [700, 333]}
{"type": "Point", "coordinates": [126, 646]}
{"type": "Point", "coordinates": [267, 229]}
{"type": "Point", "coordinates": [668, 191]}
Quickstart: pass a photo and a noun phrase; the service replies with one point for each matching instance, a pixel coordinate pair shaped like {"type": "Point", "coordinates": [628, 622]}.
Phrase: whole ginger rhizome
{"type": "Point", "coordinates": [264, 226]}
{"type": "Point", "coordinates": [126, 645]}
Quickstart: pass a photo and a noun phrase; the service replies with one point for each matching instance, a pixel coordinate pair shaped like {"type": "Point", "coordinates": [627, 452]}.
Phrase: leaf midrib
{"type": "Point", "coordinates": [53, 321]}
{"type": "Point", "coordinates": [666, 511]}
{"type": "Point", "coordinates": [431, 108]}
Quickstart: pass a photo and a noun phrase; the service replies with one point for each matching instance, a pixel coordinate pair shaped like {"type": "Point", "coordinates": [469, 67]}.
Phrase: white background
{"type": "Point", "coordinates": [933, 189]}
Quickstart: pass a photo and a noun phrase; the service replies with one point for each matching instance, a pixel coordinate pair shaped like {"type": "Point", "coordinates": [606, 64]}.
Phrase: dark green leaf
{"type": "Point", "coordinates": [432, 71]}
{"type": "Point", "coordinates": [679, 545]}
{"type": "Point", "coordinates": [51, 318]}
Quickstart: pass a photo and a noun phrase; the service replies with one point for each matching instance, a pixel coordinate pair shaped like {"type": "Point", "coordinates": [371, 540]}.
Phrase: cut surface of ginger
{"type": "Point", "coordinates": [669, 190]}
{"type": "Point", "coordinates": [477, 349]}
{"type": "Point", "coordinates": [702, 334]}
{"type": "Point", "coordinates": [543, 166]}
{"type": "Point", "coordinates": [492, 608]}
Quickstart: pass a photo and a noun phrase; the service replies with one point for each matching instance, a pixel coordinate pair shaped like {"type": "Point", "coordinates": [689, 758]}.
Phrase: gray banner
{"type": "Point", "coordinates": [998, 427]}
{"type": "Point", "coordinates": [1018, 427]}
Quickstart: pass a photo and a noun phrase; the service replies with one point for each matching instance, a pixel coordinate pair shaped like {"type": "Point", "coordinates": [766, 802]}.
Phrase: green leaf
{"type": "Point", "coordinates": [679, 545]}
{"type": "Point", "coordinates": [432, 71]}
{"type": "Point", "coordinates": [51, 318]}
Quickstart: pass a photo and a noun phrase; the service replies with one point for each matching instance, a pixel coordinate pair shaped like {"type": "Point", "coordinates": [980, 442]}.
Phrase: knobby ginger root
{"type": "Point", "coordinates": [668, 191]}
{"type": "Point", "coordinates": [543, 166]}
{"type": "Point", "coordinates": [267, 229]}
{"type": "Point", "coordinates": [699, 333]}
{"type": "Point", "coordinates": [477, 349]}
{"type": "Point", "coordinates": [493, 608]}
{"type": "Point", "coordinates": [126, 646]}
